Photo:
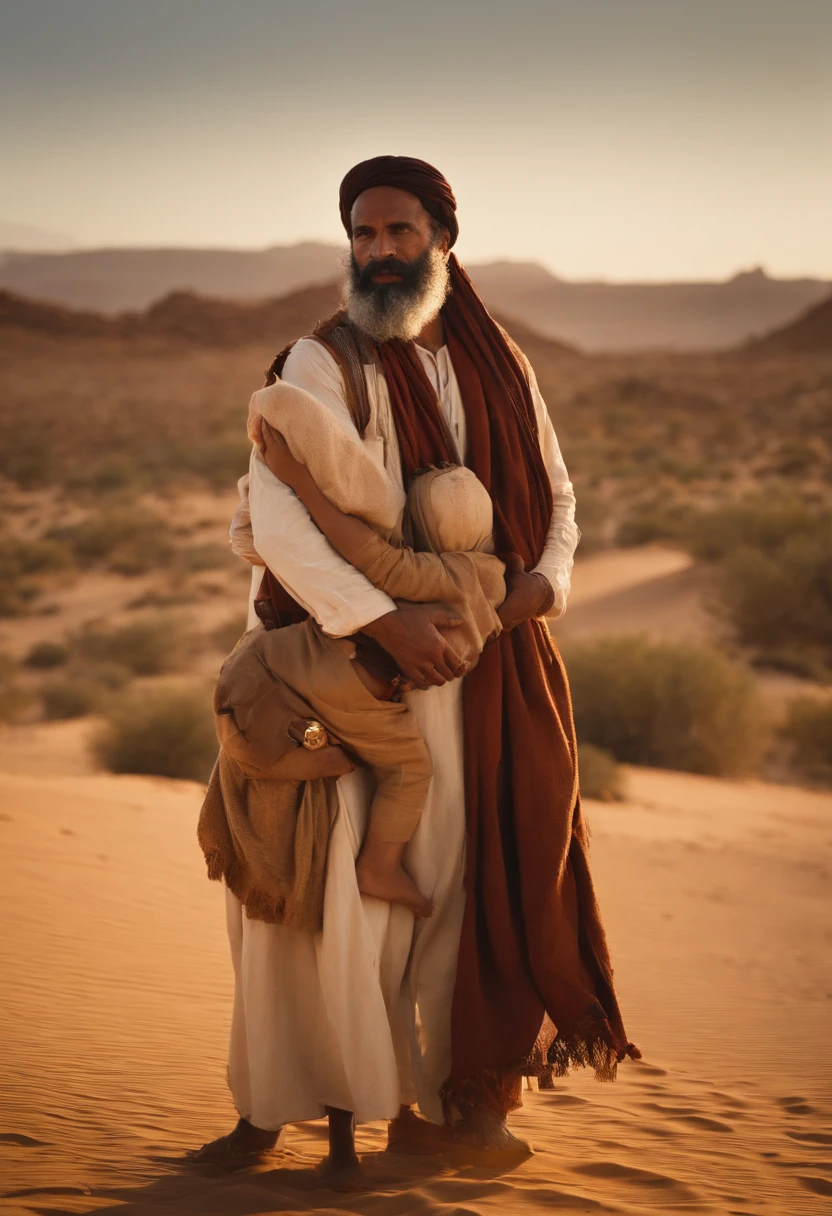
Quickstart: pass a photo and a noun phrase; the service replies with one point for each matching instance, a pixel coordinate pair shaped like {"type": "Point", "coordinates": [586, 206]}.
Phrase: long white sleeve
{"type": "Point", "coordinates": [338, 596]}
{"type": "Point", "coordinates": [562, 539]}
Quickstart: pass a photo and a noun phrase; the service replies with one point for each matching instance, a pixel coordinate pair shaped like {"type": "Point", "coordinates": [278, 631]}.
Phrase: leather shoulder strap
{"type": "Point", "coordinates": [351, 350]}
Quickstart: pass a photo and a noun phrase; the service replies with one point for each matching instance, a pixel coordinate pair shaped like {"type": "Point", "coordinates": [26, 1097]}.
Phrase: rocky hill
{"type": "Point", "coordinates": [810, 334]}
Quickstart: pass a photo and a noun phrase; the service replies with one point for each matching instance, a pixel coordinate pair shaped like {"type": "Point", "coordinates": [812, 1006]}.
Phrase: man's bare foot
{"type": "Point", "coordinates": [407, 1133]}
{"type": "Point", "coordinates": [487, 1134]}
{"type": "Point", "coordinates": [340, 1169]}
{"type": "Point", "coordinates": [245, 1141]}
{"type": "Point", "coordinates": [342, 1173]}
{"type": "Point", "coordinates": [393, 885]}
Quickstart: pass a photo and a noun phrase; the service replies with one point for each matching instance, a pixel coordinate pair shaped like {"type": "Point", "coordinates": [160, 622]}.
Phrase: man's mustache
{"type": "Point", "coordinates": [364, 276]}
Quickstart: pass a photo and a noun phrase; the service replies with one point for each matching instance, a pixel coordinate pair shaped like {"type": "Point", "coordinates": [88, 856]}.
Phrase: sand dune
{"type": "Point", "coordinates": [117, 1003]}
{"type": "Point", "coordinates": [648, 589]}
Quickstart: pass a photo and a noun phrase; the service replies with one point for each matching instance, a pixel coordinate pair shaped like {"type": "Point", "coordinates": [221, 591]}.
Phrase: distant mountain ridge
{"type": "Point", "coordinates": [599, 316]}
{"type": "Point", "coordinates": [114, 280]}
{"type": "Point", "coordinates": [595, 316]}
{"type": "Point", "coordinates": [29, 239]}
{"type": "Point", "coordinates": [186, 317]}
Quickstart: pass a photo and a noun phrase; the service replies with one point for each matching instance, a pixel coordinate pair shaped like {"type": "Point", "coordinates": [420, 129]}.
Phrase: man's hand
{"type": "Point", "coordinates": [411, 636]}
{"type": "Point", "coordinates": [528, 595]}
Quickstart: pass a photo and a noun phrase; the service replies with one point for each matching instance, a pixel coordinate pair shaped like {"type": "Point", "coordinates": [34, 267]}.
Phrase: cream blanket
{"type": "Point", "coordinates": [335, 455]}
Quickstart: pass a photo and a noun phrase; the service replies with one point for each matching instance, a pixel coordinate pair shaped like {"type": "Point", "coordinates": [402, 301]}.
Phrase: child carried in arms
{"type": "Point", "coordinates": [448, 515]}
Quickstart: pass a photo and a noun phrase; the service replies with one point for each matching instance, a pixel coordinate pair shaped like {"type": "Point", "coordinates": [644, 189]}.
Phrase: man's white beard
{"type": "Point", "coordinates": [396, 313]}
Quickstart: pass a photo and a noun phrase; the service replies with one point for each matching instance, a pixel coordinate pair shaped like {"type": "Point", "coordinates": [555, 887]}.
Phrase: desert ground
{"type": "Point", "coordinates": [118, 988]}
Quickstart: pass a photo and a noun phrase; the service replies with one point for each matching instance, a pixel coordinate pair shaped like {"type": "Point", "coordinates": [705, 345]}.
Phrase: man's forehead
{"type": "Point", "coordinates": [384, 204]}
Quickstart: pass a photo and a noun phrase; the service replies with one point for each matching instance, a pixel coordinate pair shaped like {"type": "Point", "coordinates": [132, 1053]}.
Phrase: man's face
{"type": "Point", "coordinates": [389, 226]}
{"type": "Point", "coordinates": [397, 279]}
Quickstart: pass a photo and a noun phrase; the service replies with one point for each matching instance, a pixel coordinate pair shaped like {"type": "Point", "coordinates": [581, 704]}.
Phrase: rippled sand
{"type": "Point", "coordinates": [116, 1005]}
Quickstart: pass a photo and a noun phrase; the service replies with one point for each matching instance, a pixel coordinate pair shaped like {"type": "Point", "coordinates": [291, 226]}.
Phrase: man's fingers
{"type": "Point", "coordinates": [446, 670]}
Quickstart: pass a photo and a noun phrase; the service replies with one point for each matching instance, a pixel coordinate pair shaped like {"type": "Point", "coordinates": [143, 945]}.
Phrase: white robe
{"type": "Point", "coordinates": [358, 1016]}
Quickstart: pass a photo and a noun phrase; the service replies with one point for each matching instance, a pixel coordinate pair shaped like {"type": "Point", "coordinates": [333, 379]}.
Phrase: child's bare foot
{"type": "Point", "coordinates": [392, 884]}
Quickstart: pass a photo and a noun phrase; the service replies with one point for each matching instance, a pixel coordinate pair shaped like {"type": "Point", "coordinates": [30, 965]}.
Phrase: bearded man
{"type": "Point", "coordinates": [511, 974]}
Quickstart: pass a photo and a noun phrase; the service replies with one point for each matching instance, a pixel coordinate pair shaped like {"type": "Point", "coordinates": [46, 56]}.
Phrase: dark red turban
{"type": "Point", "coordinates": [405, 173]}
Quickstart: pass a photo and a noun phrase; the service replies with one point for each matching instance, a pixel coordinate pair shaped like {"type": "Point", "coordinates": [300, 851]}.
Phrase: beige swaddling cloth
{"type": "Point", "coordinates": [450, 511]}
{"type": "Point", "coordinates": [335, 456]}
{"type": "Point", "coordinates": [340, 465]}
{"type": "Point", "coordinates": [452, 560]}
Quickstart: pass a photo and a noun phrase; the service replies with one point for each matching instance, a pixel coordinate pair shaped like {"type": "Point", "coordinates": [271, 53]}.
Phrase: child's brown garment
{"type": "Point", "coordinates": [274, 677]}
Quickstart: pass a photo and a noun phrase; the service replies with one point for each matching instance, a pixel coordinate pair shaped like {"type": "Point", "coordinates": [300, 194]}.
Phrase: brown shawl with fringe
{"type": "Point", "coordinates": [532, 940]}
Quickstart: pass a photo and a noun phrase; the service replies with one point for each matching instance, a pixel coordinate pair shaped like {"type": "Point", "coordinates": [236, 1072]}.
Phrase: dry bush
{"type": "Point", "coordinates": [601, 775]}
{"type": "Point", "coordinates": [125, 538]}
{"type": "Point", "coordinates": [72, 697]}
{"type": "Point", "coordinates": [592, 516]}
{"type": "Point", "coordinates": [85, 688]}
{"type": "Point", "coordinates": [14, 698]}
{"type": "Point", "coordinates": [219, 460]}
{"type": "Point", "coordinates": [763, 522]}
{"type": "Point", "coordinates": [151, 646]}
{"type": "Point", "coordinates": [808, 728]}
{"type": "Point", "coordinates": [226, 636]}
{"type": "Point", "coordinates": [20, 560]}
{"type": "Point", "coordinates": [196, 559]}
{"type": "Point", "coordinates": [167, 732]}
{"type": "Point", "coordinates": [780, 601]}
{"type": "Point", "coordinates": [667, 705]}
{"type": "Point", "coordinates": [44, 655]}
{"type": "Point", "coordinates": [661, 519]}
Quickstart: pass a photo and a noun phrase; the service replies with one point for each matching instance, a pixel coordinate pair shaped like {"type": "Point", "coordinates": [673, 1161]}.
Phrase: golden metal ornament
{"type": "Point", "coordinates": [315, 736]}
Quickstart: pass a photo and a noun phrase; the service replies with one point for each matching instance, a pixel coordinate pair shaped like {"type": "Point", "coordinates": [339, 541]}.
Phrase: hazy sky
{"type": "Point", "coordinates": [605, 138]}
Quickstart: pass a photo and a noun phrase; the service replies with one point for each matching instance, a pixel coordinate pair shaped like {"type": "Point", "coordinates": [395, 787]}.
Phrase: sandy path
{"type": "Point", "coordinates": [117, 1003]}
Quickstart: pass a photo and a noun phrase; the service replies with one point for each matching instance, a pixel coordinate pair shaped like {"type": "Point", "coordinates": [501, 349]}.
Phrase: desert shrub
{"type": "Point", "coordinates": [780, 602]}
{"type": "Point", "coordinates": [72, 697]}
{"type": "Point", "coordinates": [44, 655]}
{"type": "Point", "coordinates": [113, 473]}
{"type": "Point", "coordinates": [808, 727]}
{"type": "Point", "coordinates": [667, 704]}
{"type": "Point", "coordinates": [592, 516]}
{"type": "Point", "coordinates": [219, 459]}
{"type": "Point", "coordinates": [600, 773]}
{"type": "Point", "coordinates": [757, 522]}
{"type": "Point", "coordinates": [647, 522]}
{"type": "Point", "coordinates": [83, 689]}
{"type": "Point", "coordinates": [198, 558]}
{"type": "Point", "coordinates": [226, 636]}
{"type": "Point", "coordinates": [147, 647]}
{"type": "Point", "coordinates": [127, 539]}
{"type": "Point", "coordinates": [14, 698]}
{"type": "Point", "coordinates": [19, 560]}
{"type": "Point", "coordinates": [20, 556]}
{"type": "Point", "coordinates": [168, 732]}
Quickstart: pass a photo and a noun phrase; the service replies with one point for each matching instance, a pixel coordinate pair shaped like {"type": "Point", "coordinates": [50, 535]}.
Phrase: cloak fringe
{"type": "Point", "coordinates": [589, 1043]}
{"type": "Point", "coordinates": [258, 906]}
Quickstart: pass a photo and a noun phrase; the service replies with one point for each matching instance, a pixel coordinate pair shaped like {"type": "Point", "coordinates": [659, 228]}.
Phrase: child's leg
{"type": "Point", "coordinates": [403, 770]}
{"type": "Point", "coordinates": [383, 735]}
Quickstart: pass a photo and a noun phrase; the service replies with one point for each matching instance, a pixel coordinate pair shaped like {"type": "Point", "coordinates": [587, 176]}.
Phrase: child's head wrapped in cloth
{"type": "Point", "coordinates": [450, 511]}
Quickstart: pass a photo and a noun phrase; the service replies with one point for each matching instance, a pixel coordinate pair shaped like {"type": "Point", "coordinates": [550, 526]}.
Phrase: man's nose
{"type": "Point", "coordinates": [383, 245]}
